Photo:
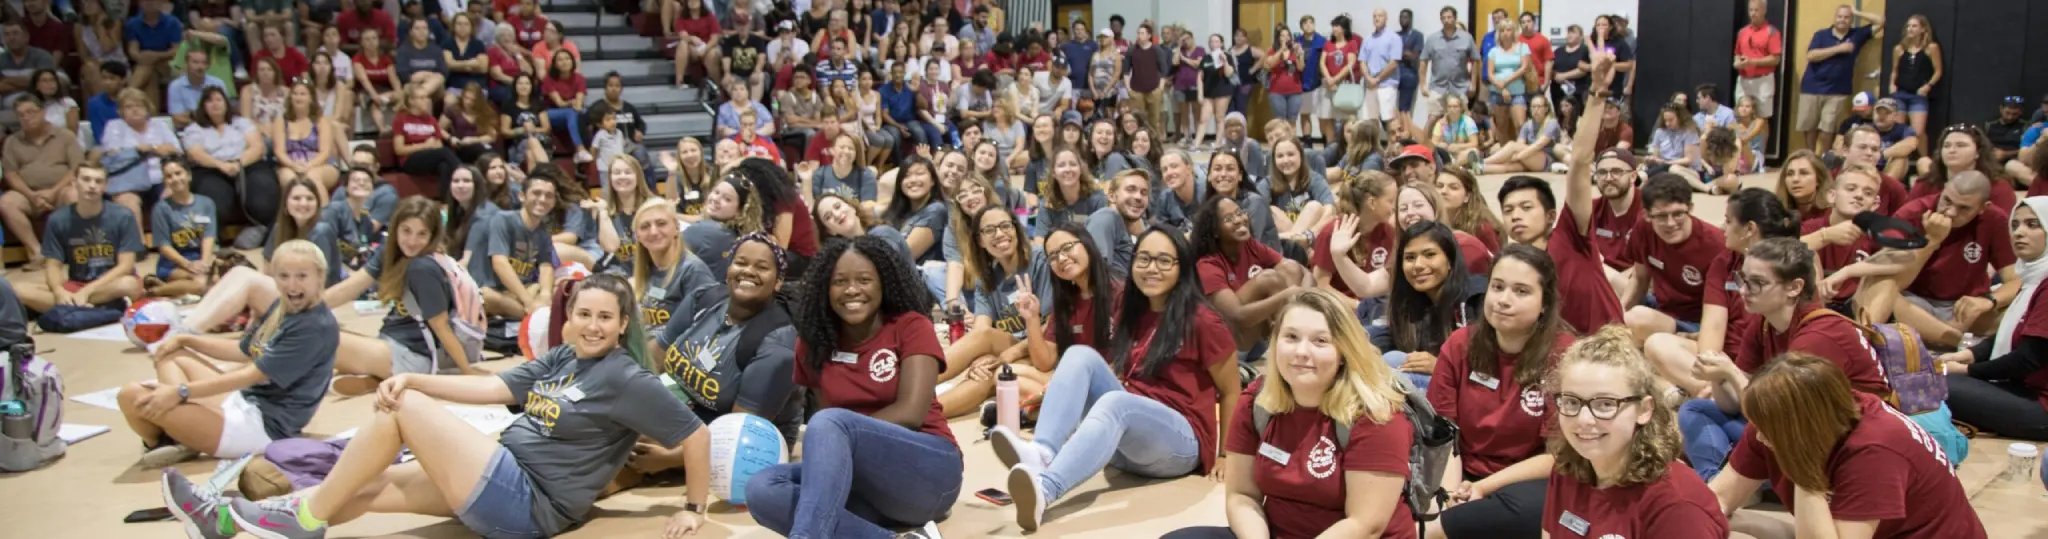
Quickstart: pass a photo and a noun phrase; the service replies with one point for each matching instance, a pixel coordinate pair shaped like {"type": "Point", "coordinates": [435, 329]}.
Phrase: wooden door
{"type": "Point", "coordinates": [1067, 14]}
{"type": "Point", "coordinates": [1482, 23]}
{"type": "Point", "coordinates": [1257, 18]}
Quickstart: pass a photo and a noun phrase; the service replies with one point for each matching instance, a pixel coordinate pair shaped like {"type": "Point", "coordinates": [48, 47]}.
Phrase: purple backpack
{"type": "Point", "coordinates": [1909, 368]}
{"type": "Point", "coordinates": [34, 382]}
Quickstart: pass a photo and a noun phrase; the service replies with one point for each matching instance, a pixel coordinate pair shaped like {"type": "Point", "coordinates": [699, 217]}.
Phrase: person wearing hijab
{"type": "Point", "coordinates": [2001, 384]}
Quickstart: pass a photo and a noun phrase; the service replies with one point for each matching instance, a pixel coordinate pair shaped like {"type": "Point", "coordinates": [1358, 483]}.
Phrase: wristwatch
{"type": "Point", "coordinates": [184, 393]}
{"type": "Point", "coordinates": [695, 508]}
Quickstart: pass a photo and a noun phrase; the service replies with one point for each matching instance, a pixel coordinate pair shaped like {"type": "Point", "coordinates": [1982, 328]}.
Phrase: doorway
{"type": "Point", "coordinates": [1482, 24]}
{"type": "Point", "coordinates": [1257, 18]}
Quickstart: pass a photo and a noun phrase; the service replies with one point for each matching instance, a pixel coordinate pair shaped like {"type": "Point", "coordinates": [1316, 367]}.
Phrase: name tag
{"type": "Point", "coordinates": [1732, 286]}
{"type": "Point", "coordinates": [656, 292]}
{"type": "Point", "coordinates": [1604, 233]}
{"type": "Point", "coordinates": [844, 357]}
{"type": "Point", "coordinates": [572, 394]}
{"type": "Point", "coordinates": [202, 219]}
{"type": "Point", "coordinates": [1486, 380]}
{"type": "Point", "coordinates": [512, 331]}
{"type": "Point", "coordinates": [1274, 454]}
{"type": "Point", "coordinates": [692, 195]}
{"type": "Point", "coordinates": [1379, 322]}
{"type": "Point", "coordinates": [1574, 523]}
{"type": "Point", "coordinates": [1077, 329]}
{"type": "Point", "coordinates": [668, 381]}
{"type": "Point", "coordinates": [1655, 263]}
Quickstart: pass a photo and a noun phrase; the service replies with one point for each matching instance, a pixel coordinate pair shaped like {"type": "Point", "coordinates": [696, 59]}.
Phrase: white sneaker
{"type": "Point", "coordinates": [930, 530]}
{"type": "Point", "coordinates": [1013, 450]}
{"type": "Point", "coordinates": [583, 156]}
{"type": "Point", "coordinates": [1029, 497]}
{"type": "Point", "coordinates": [164, 456]}
{"type": "Point", "coordinates": [1560, 168]}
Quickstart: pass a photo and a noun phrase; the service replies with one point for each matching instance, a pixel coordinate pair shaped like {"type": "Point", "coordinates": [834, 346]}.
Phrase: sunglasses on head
{"type": "Point", "coordinates": [2014, 100]}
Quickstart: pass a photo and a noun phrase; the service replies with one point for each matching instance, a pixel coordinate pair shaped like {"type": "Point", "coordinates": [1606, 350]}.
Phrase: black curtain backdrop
{"type": "Point", "coordinates": [1680, 45]}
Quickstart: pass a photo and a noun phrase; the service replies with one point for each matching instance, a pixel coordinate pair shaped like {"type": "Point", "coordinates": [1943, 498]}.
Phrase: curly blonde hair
{"type": "Point", "coordinates": [1655, 443]}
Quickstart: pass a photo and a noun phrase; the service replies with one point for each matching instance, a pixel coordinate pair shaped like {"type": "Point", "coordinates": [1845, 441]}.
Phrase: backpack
{"type": "Point", "coordinates": [34, 382]}
{"type": "Point", "coordinates": [1428, 454]}
{"type": "Point", "coordinates": [466, 316]}
{"type": "Point", "coordinates": [75, 318]}
{"type": "Point", "coordinates": [1909, 368]}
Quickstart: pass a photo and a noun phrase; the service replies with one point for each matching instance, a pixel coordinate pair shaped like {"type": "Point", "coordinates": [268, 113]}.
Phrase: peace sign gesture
{"type": "Point", "coordinates": [1026, 301]}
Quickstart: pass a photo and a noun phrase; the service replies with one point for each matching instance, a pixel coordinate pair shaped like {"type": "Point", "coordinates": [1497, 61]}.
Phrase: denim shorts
{"type": "Point", "coordinates": [501, 507]}
{"type": "Point", "coordinates": [1911, 102]}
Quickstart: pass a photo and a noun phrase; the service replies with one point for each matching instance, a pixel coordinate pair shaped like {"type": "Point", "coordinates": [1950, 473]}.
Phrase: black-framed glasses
{"type": "Point", "coordinates": [1142, 260]}
{"type": "Point", "coordinates": [1070, 251]}
{"type": "Point", "coordinates": [1603, 408]}
{"type": "Point", "coordinates": [1674, 216]}
{"type": "Point", "coordinates": [1611, 172]}
{"type": "Point", "coordinates": [992, 230]}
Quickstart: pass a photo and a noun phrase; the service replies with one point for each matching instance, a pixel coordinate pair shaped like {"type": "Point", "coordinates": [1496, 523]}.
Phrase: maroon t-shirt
{"type": "Point", "coordinates": [862, 378]}
{"type": "Point", "coordinates": [1676, 506]}
{"type": "Point", "coordinates": [527, 30]}
{"type": "Point", "coordinates": [1143, 65]}
{"type": "Point", "coordinates": [1184, 385]}
{"type": "Point", "coordinates": [1499, 422]}
{"type": "Point", "coordinates": [1724, 289]}
{"type": "Point", "coordinates": [803, 233]}
{"type": "Point", "coordinates": [1835, 257]}
{"type": "Point", "coordinates": [1305, 489]}
{"type": "Point", "coordinates": [292, 62]}
{"type": "Point", "coordinates": [1488, 236]}
{"type": "Point", "coordinates": [2003, 196]}
{"type": "Point", "coordinates": [415, 129]}
{"type": "Point", "coordinates": [1375, 250]}
{"type": "Point", "coordinates": [53, 35]}
{"type": "Point", "coordinates": [1218, 273]}
{"type": "Point", "coordinates": [1081, 319]}
{"type": "Point", "coordinates": [1587, 299]}
{"type": "Point", "coordinates": [1677, 272]}
{"type": "Point", "coordinates": [1830, 336]}
{"type": "Point", "coordinates": [1478, 258]}
{"type": "Point", "coordinates": [2035, 324]}
{"type": "Point", "coordinates": [1958, 267]}
{"type": "Point", "coordinates": [352, 25]}
{"type": "Point", "coordinates": [1886, 469]}
{"type": "Point", "coordinates": [1610, 232]}
{"type": "Point", "coordinates": [566, 89]}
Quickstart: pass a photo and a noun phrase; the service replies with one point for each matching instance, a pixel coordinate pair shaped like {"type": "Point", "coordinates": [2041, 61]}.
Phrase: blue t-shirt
{"type": "Point", "coordinates": [1832, 76]}
{"type": "Point", "coordinates": [901, 103]}
{"type": "Point", "coordinates": [89, 246]}
{"type": "Point", "coordinates": [1312, 77]}
{"type": "Point", "coordinates": [99, 110]}
{"type": "Point", "coordinates": [999, 302]}
{"type": "Point", "coordinates": [458, 79]}
{"type": "Point", "coordinates": [162, 37]}
{"type": "Point", "coordinates": [1079, 54]}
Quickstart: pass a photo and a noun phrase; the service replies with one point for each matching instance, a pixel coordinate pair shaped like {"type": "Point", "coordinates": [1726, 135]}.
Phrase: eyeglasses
{"type": "Point", "coordinates": [992, 230]}
{"type": "Point", "coordinates": [1666, 217]}
{"type": "Point", "coordinates": [1070, 251]}
{"type": "Point", "coordinates": [1603, 407]}
{"type": "Point", "coordinates": [1142, 260]}
{"type": "Point", "coordinates": [1611, 172]}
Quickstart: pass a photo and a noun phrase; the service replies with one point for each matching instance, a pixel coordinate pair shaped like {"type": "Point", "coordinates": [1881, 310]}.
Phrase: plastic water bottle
{"type": "Point", "coordinates": [1006, 399]}
{"type": "Point", "coordinates": [956, 324]}
{"type": "Point", "coordinates": [16, 423]}
{"type": "Point", "coordinates": [1969, 341]}
{"type": "Point", "coordinates": [2020, 459]}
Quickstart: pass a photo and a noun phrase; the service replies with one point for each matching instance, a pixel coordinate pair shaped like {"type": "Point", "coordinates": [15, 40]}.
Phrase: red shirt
{"type": "Point", "coordinates": [1886, 469]}
{"type": "Point", "coordinates": [415, 129]}
{"type": "Point", "coordinates": [1487, 235]}
{"type": "Point", "coordinates": [2035, 324]}
{"type": "Point", "coordinates": [1305, 493]}
{"type": "Point", "coordinates": [759, 147]}
{"type": "Point", "coordinates": [565, 89]}
{"type": "Point", "coordinates": [1499, 422]}
{"type": "Point", "coordinates": [803, 234]}
{"type": "Point", "coordinates": [527, 30]}
{"type": "Point", "coordinates": [1184, 385]}
{"type": "Point", "coordinates": [1724, 289]}
{"type": "Point", "coordinates": [1588, 299]}
{"type": "Point", "coordinates": [293, 63]}
{"type": "Point", "coordinates": [1829, 336]}
{"type": "Point", "coordinates": [1677, 272]}
{"type": "Point", "coordinates": [1676, 506]}
{"type": "Point", "coordinates": [818, 149]}
{"type": "Point", "coordinates": [704, 28]}
{"type": "Point", "coordinates": [1835, 257]}
{"type": "Point", "coordinates": [1336, 56]}
{"type": "Point", "coordinates": [1892, 195]}
{"type": "Point", "coordinates": [1284, 79]}
{"type": "Point", "coordinates": [52, 35]}
{"type": "Point", "coordinates": [1478, 258]}
{"type": "Point", "coordinates": [1610, 231]}
{"type": "Point", "coordinates": [1038, 64]}
{"type": "Point", "coordinates": [1539, 54]}
{"type": "Point", "coordinates": [862, 378]}
{"type": "Point", "coordinates": [504, 62]}
{"type": "Point", "coordinates": [1219, 274]}
{"type": "Point", "coordinates": [1379, 242]}
{"type": "Point", "coordinates": [1758, 42]}
{"type": "Point", "coordinates": [2002, 195]}
{"type": "Point", "coordinates": [2039, 187]}
{"type": "Point", "coordinates": [1081, 320]}
{"type": "Point", "coordinates": [352, 25]}
{"type": "Point", "coordinates": [377, 68]}
{"type": "Point", "coordinates": [1958, 267]}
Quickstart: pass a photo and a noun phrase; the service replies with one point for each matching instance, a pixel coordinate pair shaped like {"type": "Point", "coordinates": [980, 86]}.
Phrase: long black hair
{"type": "Point", "coordinates": [903, 291]}
{"type": "Point", "coordinates": [1171, 332]}
{"type": "Point", "coordinates": [1066, 294]}
{"type": "Point", "coordinates": [1408, 307]}
{"type": "Point", "coordinates": [899, 210]}
{"type": "Point", "coordinates": [771, 184]}
{"type": "Point", "coordinates": [462, 212]}
{"type": "Point", "coordinates": [1762, 208]}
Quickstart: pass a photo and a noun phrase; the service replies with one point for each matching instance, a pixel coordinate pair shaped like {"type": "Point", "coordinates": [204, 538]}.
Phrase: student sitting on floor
{"type": "Point", "coordinates": [587, 403]}
{"type": "Point", "coordinates": [300, 220]}
{"type": "Point", "coordinates": [1153, 410]}
{"type": "Point", "coordinates": [612, 213]}
{"type": "Point", "coordinates": [1435, 295]}
{"type": "Point", "coordinates": [193, 406]}
{"type": "Point", "coordinates": [1114, 229]}
{"type": "Point", "coordinates": [1997, 385]}
{"type": "Point", "coordinates": [879, 455]}
{"type": "Point", "coordinates": [1668, 252]}
{"type": "Point", "coordinates": [1845, 464]}
{"type": "Point", "coordinates": [516, 270]}
{"type": "Point", "coordinates": [1246, 281]}
{"type": "Point", "coordinates": [1365, 209]}
{"type": "Point", "coordinates": [1861, 282]}
{"type": "Point", "coordinates": [91, 247]}
{"type": "Point", "coordinates": [1529, 207]}
{"type": "Point", "coordinates": [1949, 292]}
{"type": "Point", "coordinates": [345, 231]}
{"type": "Point", "coordinates": [1617, 468]}
{"type": "Point", "coordinates": [1084, 295]}
{"type": "Point", "coordinates": [1228, 178]}
{"type": "Point", "coordinates": [183, 229]}
{"type": "Point", "coordinates": [418, 334]}
{"type": "Point", "coordinates": [1001, 265]}
{"type": "Point", "coordinates": [1754, 215]}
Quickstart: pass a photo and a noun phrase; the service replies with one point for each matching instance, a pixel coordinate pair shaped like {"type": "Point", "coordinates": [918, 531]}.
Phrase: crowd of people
{"type": "Point", "coordinates": [1172, 293]}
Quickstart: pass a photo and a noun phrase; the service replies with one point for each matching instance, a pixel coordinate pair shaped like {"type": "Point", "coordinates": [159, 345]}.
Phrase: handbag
{"type": "Point", "coordinates": [1348, 98]}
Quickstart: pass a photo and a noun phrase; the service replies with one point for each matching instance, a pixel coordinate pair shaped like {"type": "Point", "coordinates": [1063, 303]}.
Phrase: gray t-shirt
{"type": "Point", "coordinates": [184, 227]}
{"type": "Point", "coordinates": [89, 246]}
{"type": "Point", "coordinates": [1078, 212]}
{"type": "Point", "coordinates": [999, 302]}
{"type": "Point", "coordinates": [409, 60]}
{"type": "Point", "coordinates": [1168, 208]}
{"type": "Point", "coordinates": [932, 217]}
{"type": "Point", "coordinates": [1112, 240]}
{"type": "Point", "coordinates": [357, 237]}
{"type": "Point", "coordinates": [297, 363]}
{"type": "Point", "coordinates": [1448, 72]}
{"type": "Point", "coordinates": [1318, 190]}
{"type": "Point", "coordinates": [582, 418]}
{"type": "Point", "coordinates": [427, 294]}
{"type": "Point", "coordinates": [893, 237]}
{"type": "Point", "coordinates": [712, 243]}
{"type": "Point", "coordinates": [323, 235]}
{"type": "Point", "coordinates": [859, 184]}
{"type": "Point", "coordinates": [701, 352]}
{"type": "Point", "coordinates": [1550, 130]}
{"type": "Point", "coordinates": [667, 290]}
{"type": "Point", "coordinates": [526, 248]}
{"type": "Point", "coordinates": [1670, 144]}
{"type": "Point", "coordinates": [384, 200]}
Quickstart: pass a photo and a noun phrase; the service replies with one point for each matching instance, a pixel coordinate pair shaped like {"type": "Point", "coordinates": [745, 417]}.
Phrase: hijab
{"type": "Point", "coordinates": [2032, 272]}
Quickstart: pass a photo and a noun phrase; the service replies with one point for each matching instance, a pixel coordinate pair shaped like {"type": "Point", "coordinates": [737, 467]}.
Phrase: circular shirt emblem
{"type": "Point", "coordinates": [1379, 257]}
{"type": "Point", "coordinates": [1692, 275]}
{"type": "Point", "coordinates": [882, 366]}
{"type": "Point", "coordinates": [1532, 402]}
{"type": "Point", "coordinates": [1973, 252]}
{"type": "Point", "coordinates": [1252, 272]}
{"type": "Point", "coordinates": [1322, 460]}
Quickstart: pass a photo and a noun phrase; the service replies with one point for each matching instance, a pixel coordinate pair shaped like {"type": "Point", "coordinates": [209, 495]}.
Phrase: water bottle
{"type": "Point", "coordinates": [1969, 341]}
{"type": "Point", "coordinates": [1006, 399]}
{"type": "Point", "coordinates": [956, 323]}
{"type": "Point", "coordinates": [15, 421]}
{"type": "Point", "coordinates": [2020, 459]}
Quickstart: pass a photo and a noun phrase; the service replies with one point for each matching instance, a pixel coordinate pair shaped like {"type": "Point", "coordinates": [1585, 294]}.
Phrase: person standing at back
{"type": "Point", "coordinates": [1831, 62]}
{"type": "Point", "coordinates": [1758, 49]}
{"type": "Point", "coordinates": [1449, 60]}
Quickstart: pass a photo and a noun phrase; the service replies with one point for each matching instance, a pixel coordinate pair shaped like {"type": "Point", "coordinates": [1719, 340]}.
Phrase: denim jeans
{"type": "Point", "coordinates": [934, 278]}
{"type": "Point", "coordinates": [859, 477]}
{"type": "Point", "coordinates": [1285, 106]}
{"type": "Point", "coordinates": [927, 134]}
{"type": "Point", "coordinates": [1088, 421]}
{"type": "Point", "coordinates": [1395, 358]}
{"type": "Point", "coordinates": [1709, 435]}
{"type": "Point", "coordinates": [567, 118]}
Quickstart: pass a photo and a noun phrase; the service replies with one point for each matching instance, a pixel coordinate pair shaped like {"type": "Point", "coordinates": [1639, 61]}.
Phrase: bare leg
{"type": "Point", "coordinates": [239, 291]}
{"type": "Point", "coordinates": [498, 303]}
{"type": "Point", "coordinates": [126, 286]}
{"type": "Point", "coordinates": [196, 424]}
{"type": "Point", "coordinates": [1644, 321]}
{"type": "Point", "coordinates": [972, 346]}
{"type": "Point", "coordinates": [181, 283]}
{"type": "Point", "coordinates": [1935, 330]}
{"type": "Point", "coordinates": [14, 211]}
{"type": "Point", "coordinates": [452, 456]}
{"type": "Point", "coordinates": [1875, 299]}
{"type": "Point", "coordinates": [1673, 357]}
{"type": "Point", "coordinates": [966, 396]}
{"type": "Point", "coordinates": [571, 253]}
{"type": "Point", "coordinates": [325, 175]}
{"type": "Point", "coordinates": [35, 295]}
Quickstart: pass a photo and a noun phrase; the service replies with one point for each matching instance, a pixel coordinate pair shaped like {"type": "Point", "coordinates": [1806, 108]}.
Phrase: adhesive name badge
{"type": "Point", "coordinates": [1604, 233]}
{"type": "Point", "coordinates": [202, 219]}
{"type": "Point", "coordinates": [1732, 286]}
{"type": "Point", "coordinates": [844, 357]}
{"type": "Point", "coordinates": [1655, 263]}
{"type": "Point", "coordinates": [668, 381]}
{"type": "Point", "coordinates": [1077, 329]}
{"type": "Point", "coordinates": [1574, 523]}
{"type": "Point", "coordinates": [512, 331]}
{"type": "Point", "coordinates": [1486, 380]}
{"type": "Point", "coordinates": [655, 292]}
{"type": "Point", "coordinates": [1274, 454]}
{"type": "Point", "coordinates": [573, 394]}
{"type": "Point", "coordinates": [692, 195]}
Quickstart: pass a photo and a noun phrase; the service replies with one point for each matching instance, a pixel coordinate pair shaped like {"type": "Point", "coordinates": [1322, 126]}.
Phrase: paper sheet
{"type": "Point", "coordinates": [74, 433]}
{"type": "Point", "coordinates": [488, 419]}
{"type": "Point", "coordinates": [109, 332]}
{"type": "Point", "coordinates": [104, 398]}
{"type": "Point", "coordinates": [343, 435]}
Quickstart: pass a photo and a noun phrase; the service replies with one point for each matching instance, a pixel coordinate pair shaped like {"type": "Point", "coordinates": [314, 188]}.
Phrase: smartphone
{"type": "Point", "coordinates": [154, 515]}
{"type": "Point", "coordinates": [994, 496]}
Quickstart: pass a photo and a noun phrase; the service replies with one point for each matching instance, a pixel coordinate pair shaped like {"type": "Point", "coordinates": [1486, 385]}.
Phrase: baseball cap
{"type": "Point", "coordinates": [1861, 102]}
{"type": "Point", "coordinates": [786, 25]}
{"type": "Point", "coordinates": [1624, 155]}
{"type": "Point", "coordinates": [1414, 151]}
{"type": "Point", "coordinates": [1106, 33]}
{"type": "Point", "coordinates": [1888, 104]}
{"type": "Point", "coordinates": [1890, 232]}
{"type": "Point", "coordinates": [1071, 117]}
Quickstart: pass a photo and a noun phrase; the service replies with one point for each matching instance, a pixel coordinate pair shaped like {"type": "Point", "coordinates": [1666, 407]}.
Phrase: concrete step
{"type": "Point", "coordinates": [575, 20]}
{"type": "Point", "coordinates": [663, 130]}
{"type": "Point", "coordinates": [664, 99]}
{"type": "Point", "coordinates": [630, 69]}
{"type": "Point", "coordinates": [624, 41]}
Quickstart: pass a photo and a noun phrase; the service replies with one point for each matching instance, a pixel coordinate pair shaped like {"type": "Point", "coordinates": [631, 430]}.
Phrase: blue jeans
{"type": "Point", "coordinates": [501, 506]}
{"type": "Point", "coordinates": [1286, 106]}
{"type": "Point", "coordinates": [934, 278]}
{"type": "Point", "coordinates": [1395, 358]}
{"type": "Point", "coordinates": [567, 118]}
{"type": "Point", "coordinates": [1088, 421]}
{"type": "Point", "coordinates": [859, 477]}
{"type": "Point", "coordinates": [927, 134]}
{"type": "Point", "coordinates": [1709, 435]}
{"type": "Point", "coordinates": [1910, 101]}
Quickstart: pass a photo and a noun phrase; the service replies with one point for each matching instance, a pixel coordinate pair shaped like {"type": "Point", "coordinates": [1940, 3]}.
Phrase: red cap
{"type": "Point", "coordinates": [1416, 150]}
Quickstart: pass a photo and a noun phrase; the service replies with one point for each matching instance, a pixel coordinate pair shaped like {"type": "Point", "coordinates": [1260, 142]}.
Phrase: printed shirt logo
{"type": "Point", "coordinates": [1532, 402]}
{"type": "Point", "coordinates": [1973, 252]}
{"type": "Point", "coordinates": [1613, 536]}
{"type": "Point", "coordinates": [882, 366]}
{"type": "Point", "coordinates": [1379, 257]}
{"type": "Point", "coordinates": [185, 233]}
{"type": "Point", "coordinates": [544, 402]}
{"type": "Point", "coordinates": [691, 363]}
{"type": "Point", "coordinates": [1322, 459]}
{"type": "Point", "coordinates": [1691, 275]}
{"type": "Point", "coordinates": [94, 251]}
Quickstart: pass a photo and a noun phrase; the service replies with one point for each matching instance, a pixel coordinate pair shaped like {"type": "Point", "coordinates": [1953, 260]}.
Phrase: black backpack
{"type": "Point", "coordinates": [1428, 455]}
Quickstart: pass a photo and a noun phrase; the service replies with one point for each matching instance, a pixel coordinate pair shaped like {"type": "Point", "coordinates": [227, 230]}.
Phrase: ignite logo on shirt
{"type": "Point", "coordinates": [92, 249]}
{"type": "Point", "coordinates": [882, 366]}
{"type": "Point", "coordinates": [188, 232]}
{"type": "Point", "coordinates": [1322, 459]}
{"type": "Point", "coordinates": [1532, 401]}
{"type": "Point", "coordinates": [691, 363]}
{"type": "Point", "coordinates": [544, 402]}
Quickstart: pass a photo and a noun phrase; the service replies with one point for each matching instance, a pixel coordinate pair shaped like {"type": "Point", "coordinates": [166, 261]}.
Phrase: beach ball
{"type": "Point", "coordinates": [741, 446]}
{"type": "Point", "coordinates": [533, 334]}
{"type": "Point", "coordinates": [147, 321]}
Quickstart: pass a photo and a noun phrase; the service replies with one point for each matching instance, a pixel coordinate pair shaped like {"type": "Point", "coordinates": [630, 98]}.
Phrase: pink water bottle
{"type": "Point", "coordinates": [1007, 413]}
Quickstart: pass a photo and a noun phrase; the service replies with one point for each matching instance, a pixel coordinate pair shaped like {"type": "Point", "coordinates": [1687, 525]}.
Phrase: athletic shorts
{"type": "Point", "coordinates": [1820, 112]}
{"type": "Point", "coordinates": [1942, 310]}
{"type": "Point", "coordinates": [1382, 103]}
{"type": "Point", "coordinates": [405, 360]}
{"type": "Point", "coordinates": [241, 428]}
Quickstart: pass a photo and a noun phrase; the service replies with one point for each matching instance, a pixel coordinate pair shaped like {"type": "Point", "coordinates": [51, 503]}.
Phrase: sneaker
{"type": "Point", "coordinates": [275, 518]}
{"type": "Point", "coordinates": [165, 455]}
{"type": "Point", "coordinates": [930, 530]}
{"type": "Point", "coordinates": [1560, 168]}
{"type": "Point", "coordinates": [1013, 450]}
{"type": "Point", "coordinates": [1030, 498]}
{"type": "Point", "coordinates": [988, 414]}
{"type": "Point", "coordinates": [196, 507]}
{"type": "Point", "coordinates": [583, 156]}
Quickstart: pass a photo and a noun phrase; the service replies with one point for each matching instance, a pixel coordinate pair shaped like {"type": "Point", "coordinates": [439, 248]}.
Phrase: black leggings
{"type": "Point", "coordinates": [220, 187]}
{"type": "Point", "coordinates": [262, 197]}
{"type": "Point", "coordinates": [1201, 532]}
{"type": "Point", "coordinates": [437, 162]}
{"type": "Point", "coordinates": [2009, 409]}
{"type": "Point", "coordinates": [1513, 512]}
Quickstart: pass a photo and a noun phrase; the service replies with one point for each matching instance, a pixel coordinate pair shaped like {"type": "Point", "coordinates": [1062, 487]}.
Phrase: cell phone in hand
{"type": "Point", "coordinates": [159, 514]}
{"type": "Point", "coordinates": [994, 496]}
